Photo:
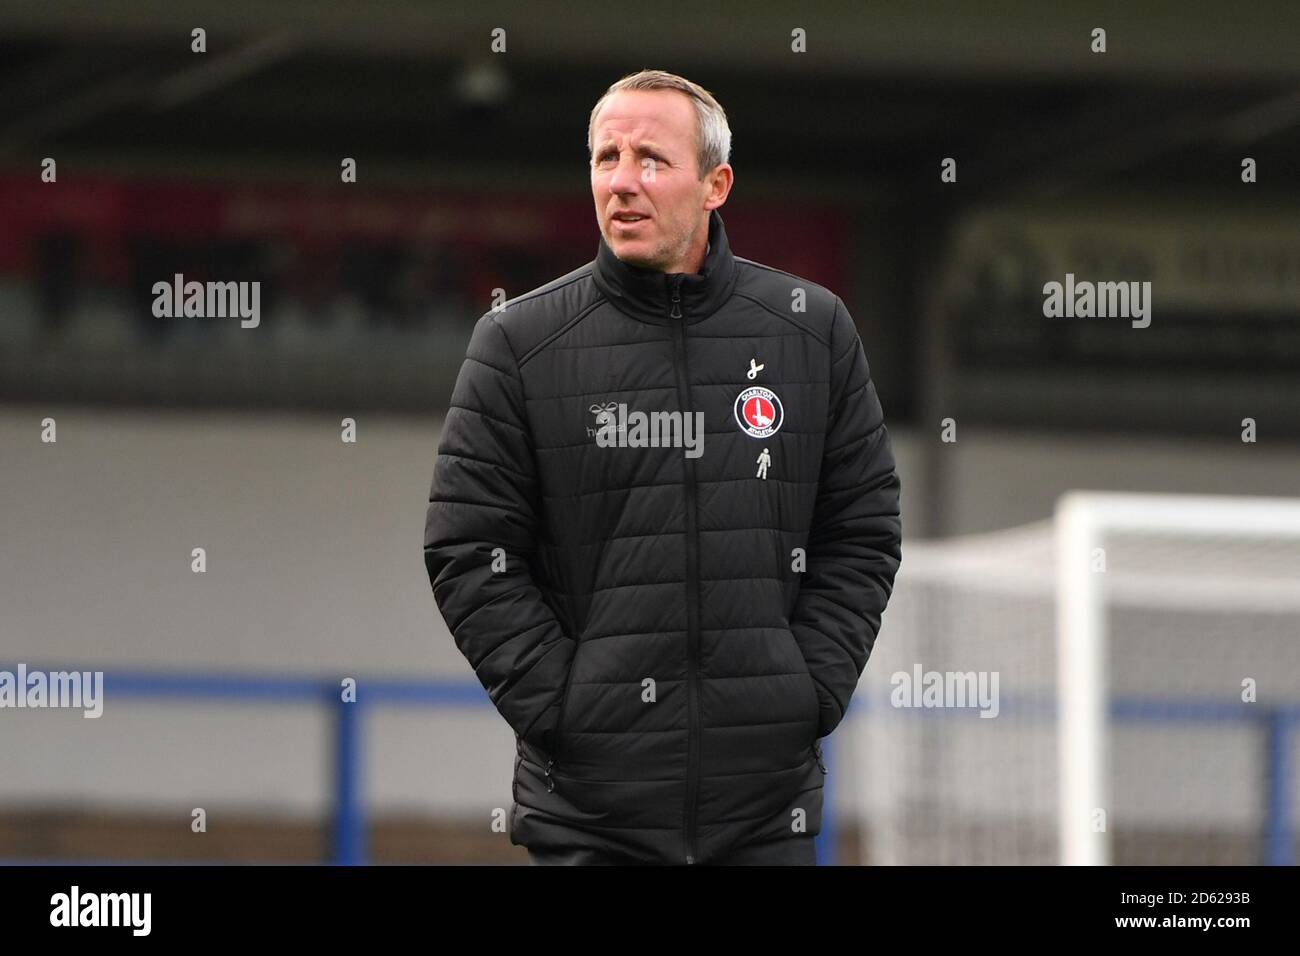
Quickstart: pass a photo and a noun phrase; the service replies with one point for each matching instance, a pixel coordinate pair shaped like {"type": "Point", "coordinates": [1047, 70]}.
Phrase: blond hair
{"type": "Point", "coordinates": [712, 134]}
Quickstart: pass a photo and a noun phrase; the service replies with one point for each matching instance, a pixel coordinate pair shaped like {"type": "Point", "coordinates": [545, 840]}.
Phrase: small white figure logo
{"type": "Point", "coordinates": [764, 459]}
{"type": "Point", "coordinates": [754, 369]}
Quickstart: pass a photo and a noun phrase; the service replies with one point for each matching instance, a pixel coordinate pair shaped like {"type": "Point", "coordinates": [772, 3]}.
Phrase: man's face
{"type": "Point", "coordinates": [644, 162]}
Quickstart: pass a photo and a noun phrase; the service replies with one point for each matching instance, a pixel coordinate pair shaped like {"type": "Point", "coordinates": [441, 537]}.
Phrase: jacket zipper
{"type": "Point", "coordinates": [692, 584]}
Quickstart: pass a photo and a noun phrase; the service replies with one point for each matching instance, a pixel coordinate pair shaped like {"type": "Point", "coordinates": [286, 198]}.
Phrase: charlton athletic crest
{"type": "Point", "coordinates": [758, 412]}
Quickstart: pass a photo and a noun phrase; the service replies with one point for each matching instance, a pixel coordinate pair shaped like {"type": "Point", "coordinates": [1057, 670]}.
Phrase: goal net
{"type": "Point", "coordinates": [1118, 685]}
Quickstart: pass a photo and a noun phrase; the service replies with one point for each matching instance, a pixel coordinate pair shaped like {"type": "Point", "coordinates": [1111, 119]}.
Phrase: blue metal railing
{"type": "Point", "coordinates": [349, 821]}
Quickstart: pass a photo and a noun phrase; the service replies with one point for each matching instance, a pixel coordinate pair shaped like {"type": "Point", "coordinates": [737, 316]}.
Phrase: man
{"type": "Point", "coordinates": [668, 633]}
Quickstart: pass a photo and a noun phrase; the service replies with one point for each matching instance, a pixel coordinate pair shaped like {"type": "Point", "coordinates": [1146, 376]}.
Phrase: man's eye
{"type": "Point", "coordinates": [606, 157]}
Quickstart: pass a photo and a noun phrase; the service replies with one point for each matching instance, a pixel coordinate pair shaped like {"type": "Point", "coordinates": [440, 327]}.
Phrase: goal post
{"type": "Point", "coordinates": [1116, 683]}
{"type": "Point", "coordinates": [1084, 520]}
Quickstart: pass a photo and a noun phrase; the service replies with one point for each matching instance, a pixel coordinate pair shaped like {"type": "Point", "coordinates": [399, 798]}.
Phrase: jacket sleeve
{"type": "Point", "coordinates": [855, 542]}
{"type": "Point", "coordinates": [484, 496]}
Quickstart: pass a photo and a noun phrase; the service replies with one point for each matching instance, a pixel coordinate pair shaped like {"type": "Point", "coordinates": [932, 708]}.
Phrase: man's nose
{"type": "Point", "coordinates": [627, 177]}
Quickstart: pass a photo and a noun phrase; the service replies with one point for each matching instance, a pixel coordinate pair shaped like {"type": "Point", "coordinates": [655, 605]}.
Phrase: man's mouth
{"type": "Point", "coordinates": [628, 217]}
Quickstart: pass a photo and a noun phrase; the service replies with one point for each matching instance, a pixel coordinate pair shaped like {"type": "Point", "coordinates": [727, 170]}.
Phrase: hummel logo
{"type": "Point", "coordinates": [754, 369]}
{"type": "Point", "coordinates": [605, 417]}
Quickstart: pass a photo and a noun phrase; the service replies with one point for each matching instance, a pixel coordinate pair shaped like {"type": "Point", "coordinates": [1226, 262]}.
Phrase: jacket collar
{"type": "Point", "coordinates": [645, 294]}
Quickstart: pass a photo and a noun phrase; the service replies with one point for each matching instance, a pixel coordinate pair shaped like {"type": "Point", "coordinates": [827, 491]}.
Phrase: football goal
{"type": "Point", "coordinates": [1120, 684]}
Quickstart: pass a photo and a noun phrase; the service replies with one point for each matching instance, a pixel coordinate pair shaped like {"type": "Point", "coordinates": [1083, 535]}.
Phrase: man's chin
{"type": "Point", "coordinates": [633, 254]}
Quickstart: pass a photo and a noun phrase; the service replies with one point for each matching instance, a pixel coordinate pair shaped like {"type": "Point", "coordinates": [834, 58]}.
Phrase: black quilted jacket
{"type": "Point", "coordinates": [668, 633]}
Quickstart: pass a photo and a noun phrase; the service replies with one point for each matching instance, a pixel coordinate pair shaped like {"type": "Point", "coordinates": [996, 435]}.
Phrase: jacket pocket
{"type": "Point", "coordinates": [815, 717]}
{"type": "Point", "coordinates": [557, 735]}
{"type": "Point", "coordinates": [817, 752]}
{"type": "Point", "coordinates": [557, 747]}
{"type": "Point", "coordinates": [814, 705]}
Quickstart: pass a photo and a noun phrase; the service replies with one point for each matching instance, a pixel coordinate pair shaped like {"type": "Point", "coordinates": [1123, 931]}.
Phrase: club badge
{"type": "Point", "coordinates": [758, 412]}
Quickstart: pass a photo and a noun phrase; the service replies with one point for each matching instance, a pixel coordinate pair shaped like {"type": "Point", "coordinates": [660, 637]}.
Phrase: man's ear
{"type": "Point", "coordinates": [722, 177]}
